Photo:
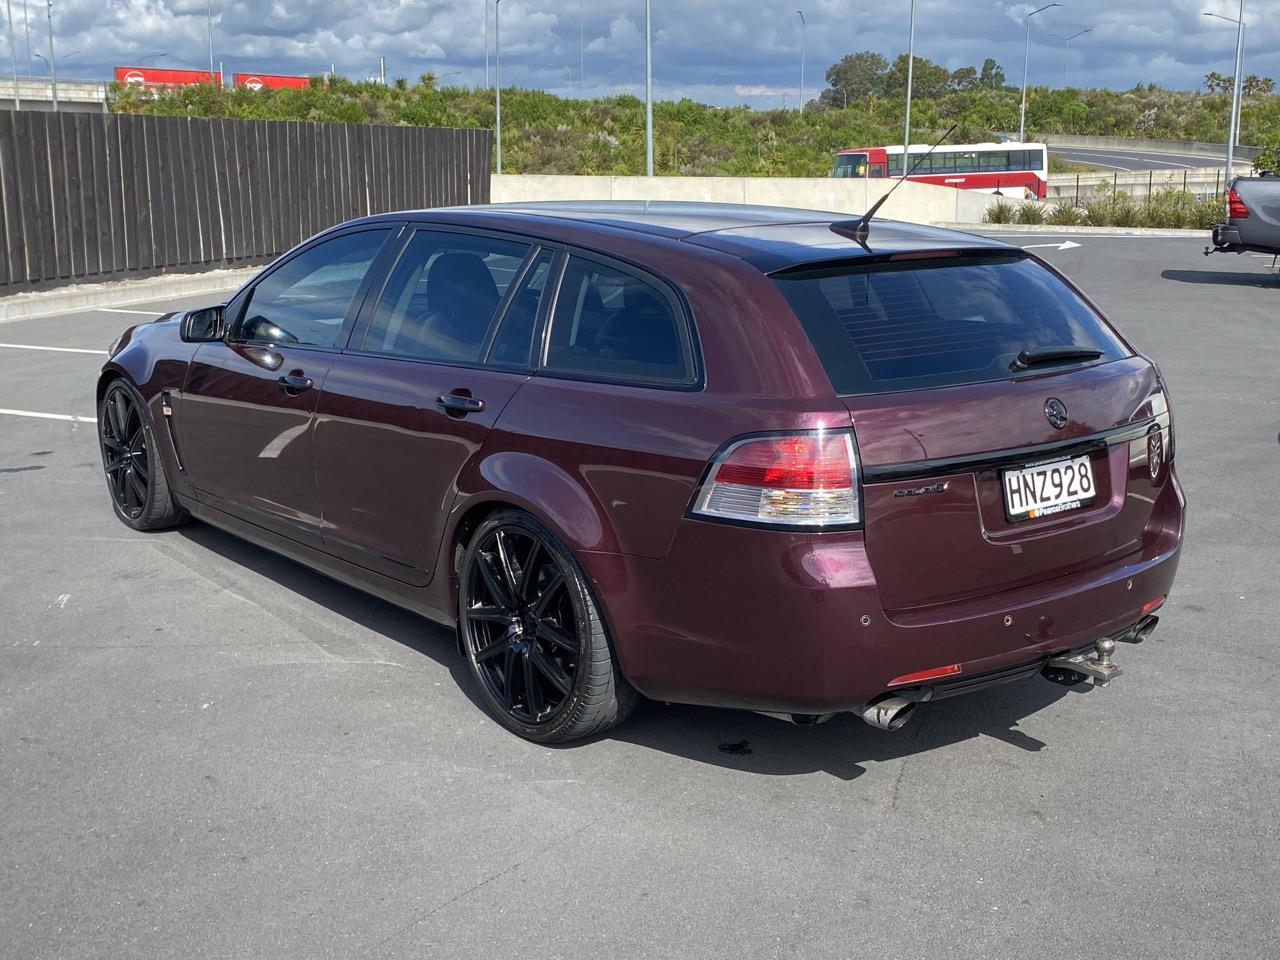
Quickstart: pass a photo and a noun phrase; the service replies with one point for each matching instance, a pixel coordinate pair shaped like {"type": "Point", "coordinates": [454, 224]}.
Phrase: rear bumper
{"type": "Point", "coordinates": [763, 620]}
{"type": "Point", "coordinates": [1227, 239]}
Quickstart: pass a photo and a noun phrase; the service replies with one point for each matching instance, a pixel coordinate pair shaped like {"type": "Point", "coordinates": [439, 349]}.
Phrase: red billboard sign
{"type": "Point", "coordinates": [270, 81]}
{"type": "Point", "coordinates": [154, 77]}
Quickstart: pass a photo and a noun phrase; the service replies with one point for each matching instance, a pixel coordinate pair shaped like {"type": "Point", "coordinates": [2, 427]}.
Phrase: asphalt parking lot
{"type": "Point", "coordinates": [208, 751]}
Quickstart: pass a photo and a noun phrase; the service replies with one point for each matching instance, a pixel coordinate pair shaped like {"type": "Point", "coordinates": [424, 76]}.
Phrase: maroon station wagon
{"type": "Point", "coordinates": [748, 457]}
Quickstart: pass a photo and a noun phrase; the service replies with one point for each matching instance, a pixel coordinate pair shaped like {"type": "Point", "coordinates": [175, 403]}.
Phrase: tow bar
{"type": "Point", "coordinates": [1096, 665]}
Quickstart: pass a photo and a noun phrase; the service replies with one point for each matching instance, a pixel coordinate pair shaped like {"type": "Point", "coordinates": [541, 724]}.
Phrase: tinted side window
{"type": "Point", "coordinates": [612, 324]}
{"type": "Point", "coordinates": [440, 299]}
{"type": "Point", "coordinates": [513, 343]}
{"type": "Point", "coordinates": [306, 299]}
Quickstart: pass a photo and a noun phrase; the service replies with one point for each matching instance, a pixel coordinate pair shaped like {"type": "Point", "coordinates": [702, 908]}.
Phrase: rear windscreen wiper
{"type": "Point", "coordinates": [1047, 355]}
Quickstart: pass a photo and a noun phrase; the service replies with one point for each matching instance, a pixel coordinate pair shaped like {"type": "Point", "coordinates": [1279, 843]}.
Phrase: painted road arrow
{"type": "Point", "coordinates": [1064, 245]}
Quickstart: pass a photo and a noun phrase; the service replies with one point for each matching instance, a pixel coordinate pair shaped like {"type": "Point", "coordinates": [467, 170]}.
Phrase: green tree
{"type": "Point", "coordinates": [1214, 82]}
{"type": "Point", "coordinates": [966, 78]}
{"type": "Point", "coordinates": [992, 75]}
{"type": "Point", "coordinates": [928, 79]}
{"type": "Point", "coordinates": [855, 76]}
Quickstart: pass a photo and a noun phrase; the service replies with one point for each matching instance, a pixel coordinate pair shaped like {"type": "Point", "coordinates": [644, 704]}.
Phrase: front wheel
{"type": "Point", "coordinates": [135, 472]}
{"type": "Point", "coordinates": [533, 635]}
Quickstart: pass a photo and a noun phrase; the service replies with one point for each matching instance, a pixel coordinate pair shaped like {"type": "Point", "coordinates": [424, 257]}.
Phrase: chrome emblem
{"type": "Point", "coordinates": [1055, 411]}
{"type": "Point", "coordinates": [921, 491]}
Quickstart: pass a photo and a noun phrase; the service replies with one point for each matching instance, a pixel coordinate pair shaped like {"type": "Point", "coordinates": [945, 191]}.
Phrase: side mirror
{"type": "Point", "coordinates": [203, 326]}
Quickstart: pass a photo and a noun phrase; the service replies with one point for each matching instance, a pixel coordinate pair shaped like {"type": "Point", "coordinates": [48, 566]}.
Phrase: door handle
{"type": "Point", "coordinates": [295, 383]}
{"type": "Point", "coordinates": [458, 404]}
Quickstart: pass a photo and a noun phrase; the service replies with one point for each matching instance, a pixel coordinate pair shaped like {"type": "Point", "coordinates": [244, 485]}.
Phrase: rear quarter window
{"type": "Point", "coordinates": [918, 324]}
{"type": "Point", "coordinates": [613, 324]}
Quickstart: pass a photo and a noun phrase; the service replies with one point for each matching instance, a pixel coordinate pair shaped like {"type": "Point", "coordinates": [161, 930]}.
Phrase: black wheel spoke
{"type": "Point", "coordinates": [554, 635]}
{"type": "Point", "coordinates": [501, 645]}
{"type": "Point", "coordinates": [488, 614]}
{"type": "Point", "coordinates": [493, 581]}
{"type": "Point", "coordinates": [510, 580]}
{"type": "Point", "coordinates": [508, 677]}
{"type": "Point", "coordinates": [119, 414]}
{"type": "Point", "coordinates": [137, 488]}
{"type": "Point", "coordinates": [532, 689]}
{"type": "Point", "coordinates": [548, 593]}
{"type": "Point", "coordinates": [529, 572]}
{"type": "Point", "coordinates": [552, 671]}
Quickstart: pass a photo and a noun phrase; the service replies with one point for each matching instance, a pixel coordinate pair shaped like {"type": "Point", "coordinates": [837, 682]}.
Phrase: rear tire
{"type": "Point", "coordinates": [533, 636]}
{"type": "Point", "coordinates": [132, 463]}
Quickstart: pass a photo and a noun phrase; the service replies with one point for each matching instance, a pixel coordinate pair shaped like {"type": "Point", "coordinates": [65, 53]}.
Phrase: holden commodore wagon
{"type": "Point", "coordinates": [739, 456]}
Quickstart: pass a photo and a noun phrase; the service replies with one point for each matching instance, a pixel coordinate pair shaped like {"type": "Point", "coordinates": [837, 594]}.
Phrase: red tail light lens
{"type": "Point", "coordinates": [801, 479]}
{"type": "Point", "coordinates": [1236, 209]}
{"type": "Point", "coordinates": [950, 670]}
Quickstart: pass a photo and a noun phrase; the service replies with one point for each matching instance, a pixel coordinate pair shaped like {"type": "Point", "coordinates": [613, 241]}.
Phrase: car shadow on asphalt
{"type": "Point", "coordinates": [403, 626]}
{"type": "Point", "coordinates": [843, 747]}
{"type": "Point", "coordinates": [1228, 278]}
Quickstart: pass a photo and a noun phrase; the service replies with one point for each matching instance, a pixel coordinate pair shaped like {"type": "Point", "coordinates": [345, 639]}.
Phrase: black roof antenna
{"type": "Point", "coordinates": [858, 230]}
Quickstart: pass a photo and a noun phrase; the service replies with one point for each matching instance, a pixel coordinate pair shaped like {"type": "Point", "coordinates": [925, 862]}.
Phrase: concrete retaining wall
{"type": "Point", "coordinates": [1202, 181]}
{"type": "Point", "coordinates": [913, 202]}
{"type": "Point", "coordinates": [1154, 146]}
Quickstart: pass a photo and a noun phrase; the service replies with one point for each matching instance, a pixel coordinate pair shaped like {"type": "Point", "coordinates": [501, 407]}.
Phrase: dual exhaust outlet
{"type": "Point", "coordinates": [891, 712]}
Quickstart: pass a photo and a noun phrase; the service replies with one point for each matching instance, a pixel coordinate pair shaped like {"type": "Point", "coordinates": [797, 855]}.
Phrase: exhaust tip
{"type": "Point", "coordinates": [1146, 627]}
{"type": "Point", "coordinates": [888, 712]}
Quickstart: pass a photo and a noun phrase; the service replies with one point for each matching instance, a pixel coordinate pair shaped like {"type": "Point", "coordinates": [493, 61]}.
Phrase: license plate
{"type": "Point", "coordinates": [1043, 489]}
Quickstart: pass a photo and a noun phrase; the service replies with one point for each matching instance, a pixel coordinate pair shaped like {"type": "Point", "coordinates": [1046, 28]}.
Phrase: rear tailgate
{"type": "Point", "coordinates": [937, 528]}
{"type": "Point", "coordinates": [957, 366]}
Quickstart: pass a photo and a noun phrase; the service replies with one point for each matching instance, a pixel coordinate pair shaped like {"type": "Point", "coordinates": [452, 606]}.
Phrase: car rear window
{"type": "Point", "coordinates": [915, 324]}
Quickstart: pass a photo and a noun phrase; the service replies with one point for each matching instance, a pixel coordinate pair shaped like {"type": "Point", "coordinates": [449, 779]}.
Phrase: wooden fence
{"type": "Point", "coordinates": [108, 196]}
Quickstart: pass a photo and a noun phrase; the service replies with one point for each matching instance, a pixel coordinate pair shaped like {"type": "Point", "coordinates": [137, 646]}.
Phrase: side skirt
{"type": "Point", "coordinates": [348, 574]}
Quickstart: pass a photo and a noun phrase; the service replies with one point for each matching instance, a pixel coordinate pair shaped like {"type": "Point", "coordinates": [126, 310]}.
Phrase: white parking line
{"type": "Point", "coordinates": [47, 416]}
{"type": "Point", "coordinates": [142, 313]}
{"type": "Point", "coordinates": [28, 346]}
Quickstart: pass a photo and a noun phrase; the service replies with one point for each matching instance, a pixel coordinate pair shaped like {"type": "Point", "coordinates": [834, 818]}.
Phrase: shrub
{"type": "Point", "coordinates": [1030, 212]}
{"type": "Point", "coordinates": [1066, 215]}
{"type": "Point", "coordinates": [1002, 211]}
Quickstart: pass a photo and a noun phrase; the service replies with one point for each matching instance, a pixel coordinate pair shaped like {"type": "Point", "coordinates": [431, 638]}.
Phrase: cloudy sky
{"type": "Point", "coordinates": [720, 51]}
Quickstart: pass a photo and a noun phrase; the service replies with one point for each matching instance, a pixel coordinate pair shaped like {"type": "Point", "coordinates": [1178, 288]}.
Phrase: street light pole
{"type": "Point", "coordinates": [1026, 64]}
{"type": "Point", "coordinates": [53, 63]}
{"type": "Point", "coordinates": [26, 29]}
{"type": "Point", "coordinates": [800, 13]}
{"type": "Point", "coordinates": [1233, 132]}
{"type": "Point", "coordinates": [209, 11]}
{"type": "Point", "coordinates": [582, 73]}
{"type": "Point", "coordinates": [911, 60]}
{"type": "Point", "coordinates": [648, 89]}
{"type": "Point", "coordinates": [13, 51]}
{"type": "Point", "coordinates": [486, 44]}
{"type": "Point", "coordinates": [497, 50]}
{"type": "Point", "coordinates": [1066, 60]}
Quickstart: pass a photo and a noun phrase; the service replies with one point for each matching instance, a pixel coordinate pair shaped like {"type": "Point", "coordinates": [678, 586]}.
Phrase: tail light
{"type": "Point", "coordinates": [807, 479]}
{"type": "Point", "coordinates": [1236, 209]}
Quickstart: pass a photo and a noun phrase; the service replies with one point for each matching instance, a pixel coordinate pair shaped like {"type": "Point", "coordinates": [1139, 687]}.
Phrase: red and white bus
{"type": "Point", "coordinates": [1008, 168]}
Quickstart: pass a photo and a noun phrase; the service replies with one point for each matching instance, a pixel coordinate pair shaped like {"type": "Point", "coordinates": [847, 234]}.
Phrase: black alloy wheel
{"type": "Point", "coordinates": [533, 635]}
{"type": "Point", "coordinates": [133, 467]}
{"type": "Point", "coordinates": [124, 452]}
